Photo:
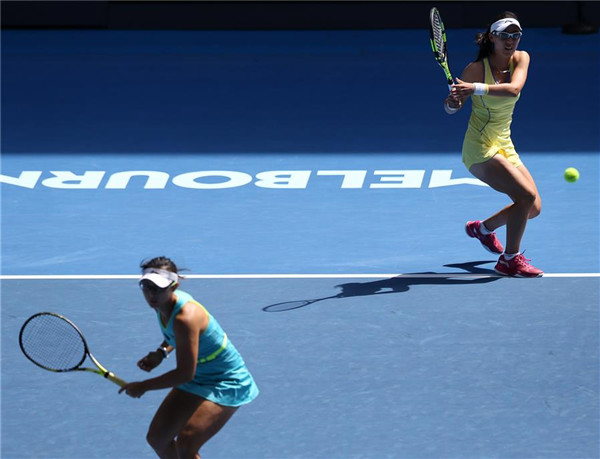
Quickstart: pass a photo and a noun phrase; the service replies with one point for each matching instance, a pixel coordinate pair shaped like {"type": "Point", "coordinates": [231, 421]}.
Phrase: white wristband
{"type": "Point", "coordinates": [450, 110]}
{"type": "Point", "coordinates": [480, 89]}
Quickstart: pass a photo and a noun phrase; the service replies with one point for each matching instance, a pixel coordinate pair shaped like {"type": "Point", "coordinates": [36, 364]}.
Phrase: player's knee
{"type": "Point", "coordinates": [158, 442]}
{"type": "Point", "coordinates": [526, 198]}
{"type": "Point", "coordinates": [536, 209]}
{"type": "Point", "coordinates": [188, 445]}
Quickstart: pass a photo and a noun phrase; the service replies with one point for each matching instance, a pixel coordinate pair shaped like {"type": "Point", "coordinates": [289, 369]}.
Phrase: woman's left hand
{"type": "Point", "coordinates": [463, 89]}
{"type": "Point", "coordinates": [133, 389]}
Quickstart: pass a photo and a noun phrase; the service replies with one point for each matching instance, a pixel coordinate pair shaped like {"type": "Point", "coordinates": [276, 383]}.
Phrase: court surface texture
{"type": "Point", "coordinates": [286, 166]}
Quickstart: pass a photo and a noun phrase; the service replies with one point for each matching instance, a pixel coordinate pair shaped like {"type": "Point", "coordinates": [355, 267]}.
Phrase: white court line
{"type": "Point", "coordinates": [276, 276]}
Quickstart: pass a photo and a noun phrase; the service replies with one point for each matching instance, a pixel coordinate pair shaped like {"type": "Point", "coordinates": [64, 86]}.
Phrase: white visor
{"type": "Point", "coordinates": [160, 277]}
{"type": "Point", "coordinates": [502, 24]}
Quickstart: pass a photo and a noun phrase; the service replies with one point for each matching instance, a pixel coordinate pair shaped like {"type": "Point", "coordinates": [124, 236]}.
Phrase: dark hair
{"type": "Point", "coordinates": [486, 47]}
{"type": "Point", "coordinates": [160, 263]}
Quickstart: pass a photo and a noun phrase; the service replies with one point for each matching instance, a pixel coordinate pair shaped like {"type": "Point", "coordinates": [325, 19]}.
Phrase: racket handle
{"type": "Point", "coordinates": [111, 377]}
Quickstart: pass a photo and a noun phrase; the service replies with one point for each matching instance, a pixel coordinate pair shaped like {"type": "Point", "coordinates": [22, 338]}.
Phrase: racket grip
{"type": "Point", "coordinates": [111, 377]}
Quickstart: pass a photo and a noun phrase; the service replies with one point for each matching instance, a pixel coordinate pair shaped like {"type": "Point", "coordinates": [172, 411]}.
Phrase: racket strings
{"type": "Point", "coordinates": [53, 343]}
{"type": "Point", "coordinates": [438, 34]}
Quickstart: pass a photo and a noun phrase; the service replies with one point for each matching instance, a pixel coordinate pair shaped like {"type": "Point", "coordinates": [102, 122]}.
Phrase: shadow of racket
{"type": "Point", "coordinates": [290, 305]}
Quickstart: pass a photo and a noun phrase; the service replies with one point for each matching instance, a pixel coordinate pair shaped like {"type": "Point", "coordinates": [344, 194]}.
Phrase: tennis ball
{"type": "Point", "coordinates": [571, 174]}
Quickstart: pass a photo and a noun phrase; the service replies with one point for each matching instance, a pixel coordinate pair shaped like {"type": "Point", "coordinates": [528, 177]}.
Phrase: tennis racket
{"type": "Point", "coordinates": [54, 343]}
{"type": "Point", "coordinates": [437, 34]}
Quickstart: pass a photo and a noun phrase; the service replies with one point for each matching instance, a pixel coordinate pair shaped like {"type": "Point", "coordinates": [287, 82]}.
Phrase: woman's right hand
{"type": "Point", "coordinates": [151, 361]}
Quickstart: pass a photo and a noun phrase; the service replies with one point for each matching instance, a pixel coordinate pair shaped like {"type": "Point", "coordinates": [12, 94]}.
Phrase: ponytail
{"type": "Point", "coordinates": [486, 46]}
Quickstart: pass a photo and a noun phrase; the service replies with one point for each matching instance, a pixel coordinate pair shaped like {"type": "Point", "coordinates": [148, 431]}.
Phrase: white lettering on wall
{"type": "Point", "coordinates": [400, 179]}
{"type": "Point", "coordinates": [352, 179]}
{"type": "Point", "coordinates": [283, 179]}
{"type": "Point", "coordinates": [156, 180]}
{"type": "Point", "coordinates": [89, 180]}
{"type": "Point", "coordinates": [26, 179]}
{"type": "Point", "coordinates": [440, 178]}
{"type": "Point", "coordinates": [232, 179]}
{"type": "Point", "coordinates": [218, 180]}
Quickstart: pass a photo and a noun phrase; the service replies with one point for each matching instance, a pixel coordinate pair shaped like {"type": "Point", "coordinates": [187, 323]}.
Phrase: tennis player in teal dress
{"type": "Point", "coordinates": [211, 380]}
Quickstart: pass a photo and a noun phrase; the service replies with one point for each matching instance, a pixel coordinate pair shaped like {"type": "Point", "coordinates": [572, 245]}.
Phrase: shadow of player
{"type": "Point", "coordinates": [402, 283]}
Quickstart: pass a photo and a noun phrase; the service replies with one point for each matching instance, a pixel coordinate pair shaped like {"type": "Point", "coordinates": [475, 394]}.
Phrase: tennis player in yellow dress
{"type": "Point", "coordinates": [494, 83]}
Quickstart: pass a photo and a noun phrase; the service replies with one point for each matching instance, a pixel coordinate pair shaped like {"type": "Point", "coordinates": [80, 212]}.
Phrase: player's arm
{"type": "Point", "coordinates": [155, 358]}
{"type": "Point", "coordinates": [517, 80]}
{"type": "Point", "coordinates": [165, 349]}
{"type": "Point", "coordinates": [455, 99]}
{"type": "Point", "coordinates": [188, 326]}
{"type": "Point", "coordinates": [465, 86]}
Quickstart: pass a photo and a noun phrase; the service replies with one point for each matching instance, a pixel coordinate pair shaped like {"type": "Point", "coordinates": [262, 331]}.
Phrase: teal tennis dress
{"type": "Point", "coordinates": [221, 374]}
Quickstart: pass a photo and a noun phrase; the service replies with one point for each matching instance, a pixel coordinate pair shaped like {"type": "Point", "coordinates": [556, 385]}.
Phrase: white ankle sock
{"type": "Point", "coordinates": [510, 256]}
{"type": "Point", "coordinates": [483, 230]}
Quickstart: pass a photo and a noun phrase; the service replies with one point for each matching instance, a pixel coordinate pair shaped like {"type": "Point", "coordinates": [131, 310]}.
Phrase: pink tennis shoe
{"type": "Point", "coordinates": [517, 266]}
{"type": "Point", "coordinates": [489, 241]}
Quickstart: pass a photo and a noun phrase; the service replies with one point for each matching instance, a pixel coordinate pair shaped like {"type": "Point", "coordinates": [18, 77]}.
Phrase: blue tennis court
{"type": "Point", "coordinates": [287, 166]}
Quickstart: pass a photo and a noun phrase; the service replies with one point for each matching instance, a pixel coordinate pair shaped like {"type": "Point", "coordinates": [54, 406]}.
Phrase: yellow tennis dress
{"type": "Point", "coordinates": [488, 131]}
